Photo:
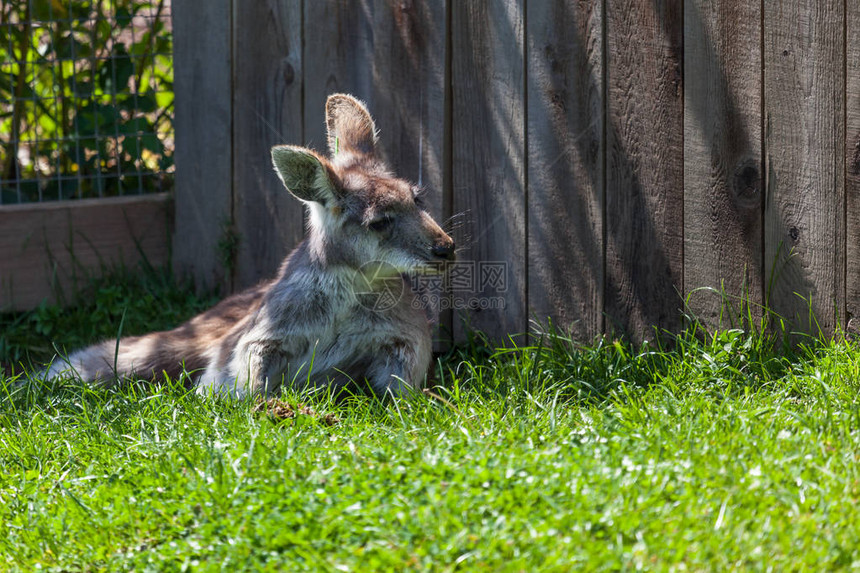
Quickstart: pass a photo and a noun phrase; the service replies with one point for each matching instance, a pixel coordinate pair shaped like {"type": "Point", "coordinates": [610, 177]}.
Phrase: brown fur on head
{"type": "Point", "coordinates": [360, 212]}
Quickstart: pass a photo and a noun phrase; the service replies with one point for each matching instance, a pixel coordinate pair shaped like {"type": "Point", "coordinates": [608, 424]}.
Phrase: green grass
{"type": "Point", "coordinates": [719, 453]}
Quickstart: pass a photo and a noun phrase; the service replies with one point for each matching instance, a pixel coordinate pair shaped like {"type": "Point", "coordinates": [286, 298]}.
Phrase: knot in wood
{"type": "Point", "coordinates": [747, 181]}
{"type": "Point", "coordinates": [289, 72]}
{"type": "Point", "coordinates": [855, 160]}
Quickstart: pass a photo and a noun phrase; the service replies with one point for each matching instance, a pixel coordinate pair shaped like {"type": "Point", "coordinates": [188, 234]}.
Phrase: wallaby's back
{"type": "Point", "coordinates": [166, 353]}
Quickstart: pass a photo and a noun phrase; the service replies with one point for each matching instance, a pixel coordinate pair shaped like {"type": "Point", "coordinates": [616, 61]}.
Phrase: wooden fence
{"type": "Point", "coordinates": [48, 251]}
{"type": "Point", "coordinates": [615, 155]}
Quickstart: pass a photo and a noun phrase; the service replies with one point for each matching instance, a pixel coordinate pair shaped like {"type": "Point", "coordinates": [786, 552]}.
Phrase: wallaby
{"type": "Point", "coordinates": [320, 321]}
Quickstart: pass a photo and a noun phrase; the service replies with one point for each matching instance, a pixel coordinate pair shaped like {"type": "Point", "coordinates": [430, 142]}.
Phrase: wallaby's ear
{"type": "Point", "coordinates": [305, 174]}
{"type": "Point", "coordinates": [350, 127]}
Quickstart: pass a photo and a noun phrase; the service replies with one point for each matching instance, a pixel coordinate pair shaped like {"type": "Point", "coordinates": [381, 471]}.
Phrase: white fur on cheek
{"type": "Point", "coordinates": [320, 219]}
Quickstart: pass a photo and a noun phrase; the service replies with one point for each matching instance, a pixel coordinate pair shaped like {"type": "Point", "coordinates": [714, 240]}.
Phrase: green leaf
{"type": "Point", "coordinates": [81, 89]}
{"type": "Point", "coordinates": [141, 47]}
{"type": "Point", "coordinates": [164, 99]}
{"type": "Point", "coordinates": [151, 142]}
{"type": "Point", "coordinates": [136, 125]}
{"type": "Point", "coordinates": [49, 10]}
{"type": "Point", "coordinates": [80, 10]}
{"type": "Point", "coordinates": [141, 103]}
{"type": "Point", "coordinates": [131, 145]}
{"type": "Point", "coordinates": [164, 45]}
{"type": "Point", "coordinates": [103, 31]}
{"type": "Point", "coordinates": [47, 123]}
{"type": "Point", "coordinates": [113, 74]}
{"type": "Point", "coordinates": [96, 118]}
{"type": "Point", "coordinates": [123, 16]}
{"type": "Point", "coordinates": [68, 47]}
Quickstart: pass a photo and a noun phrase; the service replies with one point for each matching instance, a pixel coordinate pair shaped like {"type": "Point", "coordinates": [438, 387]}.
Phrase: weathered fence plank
{"type": "Point", "coordinates": [340, 59]}
{"type": "Point", "coordinates": [566, 165]}
{"type": "Point", "coordinates": [52, 248]}
{"type": "Point", "coordinates": [722, 157]}
{"type": "Point", "coordinates": [391, 55]}
{"type": "Point", "coordinates": [204, 148]}
{"type": "Point", "coordinates": [804, 95]}
{"type": "Point", "coordinates": [645, 170]}
{"type": "Point", "coordinates": [488, 132]}
{"type": "Point", "coordinates": [267, 110]}
{"type": "Point", "coordinates": [852, 158]}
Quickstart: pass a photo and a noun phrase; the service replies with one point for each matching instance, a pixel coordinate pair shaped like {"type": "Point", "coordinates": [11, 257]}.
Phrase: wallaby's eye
{"type": "Point", "coordinates": [382, 224]}
{"type": "Point", "coordinates": [416, 196]}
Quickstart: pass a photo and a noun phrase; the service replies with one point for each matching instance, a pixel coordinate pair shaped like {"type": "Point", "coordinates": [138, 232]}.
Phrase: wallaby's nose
{"type": "Point", "coordinates": [444, 250]}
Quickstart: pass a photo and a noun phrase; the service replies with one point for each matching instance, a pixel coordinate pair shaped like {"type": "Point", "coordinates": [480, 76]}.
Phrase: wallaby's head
{"type": "Point", "coordinates": [359, 211]}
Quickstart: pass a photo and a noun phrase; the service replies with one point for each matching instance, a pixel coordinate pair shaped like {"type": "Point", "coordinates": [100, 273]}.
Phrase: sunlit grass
{"type": "Point", "coordinates": [706, 451]}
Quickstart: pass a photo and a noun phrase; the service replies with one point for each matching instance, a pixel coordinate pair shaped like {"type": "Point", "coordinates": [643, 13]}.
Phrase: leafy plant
{"type": "Point", "coordinates": [86, 98]}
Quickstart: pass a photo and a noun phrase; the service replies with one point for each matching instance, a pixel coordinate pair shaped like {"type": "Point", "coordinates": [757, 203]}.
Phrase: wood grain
{"type": "Point", "coordinates": [488, 131]}
{"type": "Point", "coordinates": [339, 59]}
{"type": "Point", "coordinates": [723, 178]}
{"type": "Point", "coordinates": [203, 122]}
{"type": "Point", "coordinates": [804, 85]}
{"type": "Point", "coordinates": [565, 165]}
{"type": "Point", "coordinates": [644, 170]}
{"type": "Point", "coordinates": [50, 249]}
{"type": "Point", "coordinates": [267, 111]}
{"type": "Point", "coordinates": [852, 159]}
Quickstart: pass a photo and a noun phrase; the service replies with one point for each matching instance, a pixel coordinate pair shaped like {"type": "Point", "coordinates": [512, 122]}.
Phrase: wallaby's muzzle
{"type": "Point", "coordinates": [444, 251]}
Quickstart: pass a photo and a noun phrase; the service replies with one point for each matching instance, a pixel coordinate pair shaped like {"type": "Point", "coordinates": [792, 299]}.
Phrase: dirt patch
{"type": "Point", "coordinates": [279, 411]}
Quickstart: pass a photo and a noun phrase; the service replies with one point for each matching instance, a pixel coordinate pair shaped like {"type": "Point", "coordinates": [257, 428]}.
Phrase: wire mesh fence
{"type": "Point", "coordinates": [86, 99]}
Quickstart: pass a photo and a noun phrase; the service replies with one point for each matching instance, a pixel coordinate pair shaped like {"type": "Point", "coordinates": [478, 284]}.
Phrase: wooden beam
{"type": "Point", "coordinates": [489, 165]}
{"type": "Point", "coordinates": [203, 119]}
{"type": "Point", "coordinates": [852, 164]}
{"type": "Point", "coordinates": [48, 250]}
{"type": "Point", "coordinates": [267, 110]}
{"type": "Point", "coordinates": [566, 165]}
{"type": "Point", "coordinates": [804, 83]}
{"type": "Point", "coordinates": [644, 166]}
{"type": "Point", "coordinates": [723, 177]}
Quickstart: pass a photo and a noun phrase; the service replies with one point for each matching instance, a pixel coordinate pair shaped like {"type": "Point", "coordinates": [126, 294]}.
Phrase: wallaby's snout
{"type": "Point", "coordinates": [440, 243]}
{"type": "Point", "coordinates": [444, 249]}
